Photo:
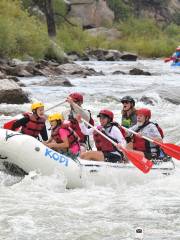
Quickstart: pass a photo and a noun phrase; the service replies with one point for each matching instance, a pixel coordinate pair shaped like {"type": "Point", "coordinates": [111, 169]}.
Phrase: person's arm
{"type": "Point", "coordinates": [116, 134]}
{"type": "Point", "coordinates": [85, 130]}
{"type": "Point", "coordinates": [44, 134]}
{"type": "Point", "coordinates": [60, 146]}
{"type": "Point", "coordinates": [154, 133]}
{"type": "Point", "coordinates": [79, 110]}
{"type": "Point", "coordinates": [48, 141]}
{"type": "Point", "coordinates": [21, 122]}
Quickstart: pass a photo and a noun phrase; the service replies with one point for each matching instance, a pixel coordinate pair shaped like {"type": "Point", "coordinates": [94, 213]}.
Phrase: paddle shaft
{"type": "Point", "coordinates": [135, 133]}
{"type": "Point", "coordinates": [55, 106]}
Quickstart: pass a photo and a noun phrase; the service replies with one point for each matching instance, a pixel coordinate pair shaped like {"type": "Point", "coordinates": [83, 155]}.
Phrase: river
{"type": "Point", "coordinates": [42, 208]}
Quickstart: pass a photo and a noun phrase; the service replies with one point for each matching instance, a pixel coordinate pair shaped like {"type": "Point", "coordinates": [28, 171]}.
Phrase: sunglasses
{"type": "Point", "coordinates": [125, 102]}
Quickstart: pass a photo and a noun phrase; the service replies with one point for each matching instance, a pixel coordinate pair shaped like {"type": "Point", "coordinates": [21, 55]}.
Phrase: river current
{"type": "Point", "coordinates": [42, 208]}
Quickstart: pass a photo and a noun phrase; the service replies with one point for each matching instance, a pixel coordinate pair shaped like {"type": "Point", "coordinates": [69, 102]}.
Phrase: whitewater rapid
{"type": "Point", "coordinates": [40, 207]}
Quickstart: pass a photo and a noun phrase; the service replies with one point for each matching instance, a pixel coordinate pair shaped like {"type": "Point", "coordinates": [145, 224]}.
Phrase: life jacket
{"type": "Point", "coordinates": [177, 54]}
{"type": "Point", "coordinates": [102, 144]}
{"type": "Point", "coordinates": [34, 125]}
{"type": "Point", "coordinates": [129, 120]}
{"type": "Point", "coordinates": [75, 126]}
{"type": "Point", "coordinates": [143, 145]}
{"type": "Point", "coordinates": [72, 136]}
{"type": "Point", "coordinates": [118, 126]}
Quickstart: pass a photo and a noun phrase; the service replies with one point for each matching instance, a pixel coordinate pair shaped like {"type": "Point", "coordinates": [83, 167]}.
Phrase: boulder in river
{"type": "Point", "coordinates": [118, 72]}
{"type": "Point", "coordinates": [137, 71]}
{"type": "Point", "coordinates": [56, 81]}
{"type": "Point", "coordinates": [104, 54]}
{"type": "Point", "coordinates": [146, 100]}
{"type": "Point", "coordinates": [11, 93]}
{"type": "Point", "coordinates": [126, 56]}
{"type": "Point", "coordinates": [75, 69]}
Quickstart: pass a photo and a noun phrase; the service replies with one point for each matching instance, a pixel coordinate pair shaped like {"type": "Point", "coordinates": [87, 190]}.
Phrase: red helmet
{"type": "Point", "coordinates": [178, 48]}
{"type": "Point", "coordinates": [106, 113]}
{"type": "Point", "coordinates": [144, 111]}
{"type": "Point", "coordinates": [76, 97]}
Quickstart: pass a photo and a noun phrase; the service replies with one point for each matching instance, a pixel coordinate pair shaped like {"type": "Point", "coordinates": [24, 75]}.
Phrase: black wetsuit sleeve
{"type": "Point", "coordinates": [44, 134]}
{"type": "Point", "coordinates": [21, 122]}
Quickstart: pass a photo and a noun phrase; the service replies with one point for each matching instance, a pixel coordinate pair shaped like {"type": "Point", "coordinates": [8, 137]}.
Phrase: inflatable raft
{"type": "Point", "coordinates": [174, 64]}
{"type": "Point", "coordinates": [29, 154]}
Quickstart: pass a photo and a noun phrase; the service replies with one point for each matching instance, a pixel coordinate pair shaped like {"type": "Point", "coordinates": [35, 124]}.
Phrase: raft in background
{"type": "Point", "coordinates": [174, 64]}
{"type": "Point", "coordinates": [29, 154]}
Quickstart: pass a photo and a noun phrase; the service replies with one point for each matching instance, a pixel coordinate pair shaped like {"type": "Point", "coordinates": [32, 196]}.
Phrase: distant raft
{"type": "Point", "coordinates": [29, 154]}
{"type": "Point", "coordinates": [175, 64]}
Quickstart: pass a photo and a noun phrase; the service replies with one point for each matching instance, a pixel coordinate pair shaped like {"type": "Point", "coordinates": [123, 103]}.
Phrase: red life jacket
{"type": "Point", "coordinates": [33, 126]}
{"type": "Point", "coordinates": [72, 137]}
{"type": "Point", "coordinates": [141, 144]}
{"type": "Point", "coordinates": [102, 144]}
{"type": "Point", "coordinates": [75, 126]}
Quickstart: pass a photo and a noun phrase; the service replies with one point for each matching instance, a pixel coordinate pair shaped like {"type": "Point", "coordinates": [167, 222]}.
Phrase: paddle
{"type": "Point", "coordinates": [169, 59]}
{"type": "Point", "coordinates": [169, 148]}
{"type": "Point", "coordinates": [8, 125]}
{"type": "Point", "coordinates": [136, 158]}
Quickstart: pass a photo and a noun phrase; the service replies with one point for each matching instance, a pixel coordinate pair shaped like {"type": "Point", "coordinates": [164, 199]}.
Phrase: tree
{"type": "Point", "coordinates": [49, 12]}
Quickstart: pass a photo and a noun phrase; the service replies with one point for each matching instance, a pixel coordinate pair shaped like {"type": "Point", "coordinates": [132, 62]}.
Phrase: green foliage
{"type": "Point", "coordinates": [147, 39]}
{"type": "Point", "coordinates": [20, 34]}
{"type": "Point", "coordinates": [72, 38]}
{"type": "Point", "coordinates": [121, 10]}
{"type": "Point", "coordinates": [26, 3]}
{"type": "Point", "coordinates": [177, 18]}
{"type": "Point", "coordinates": [139, 27]}
{"type": "Point", "coordinates": [75, 39]}
{"type": "Point", "coordinates": [60, 10]}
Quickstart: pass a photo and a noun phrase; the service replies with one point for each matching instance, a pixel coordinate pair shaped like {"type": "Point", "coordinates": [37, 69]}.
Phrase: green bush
{"type": "Point", "coordinates": [120, 9]}
{"type": "Point", "coordinates": [146, 38]}
{"type": "Point", "coordinates": [72, 38]}
{"type": "Point", "coordinates": [20, 34]}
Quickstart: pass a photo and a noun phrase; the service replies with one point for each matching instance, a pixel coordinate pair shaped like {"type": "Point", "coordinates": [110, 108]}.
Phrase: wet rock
{"type": "Point", "coordinates": [105, 55]}
{"type": "Point", "coordinates": [146, 100]}
{"type": "Point", "coordinates": [129, 56]}
{"type": "Point", "coordinates": [11, 93]}
{"type": "Point", "coordinates": [118, 72]}
{"type": "Point", "coordinates": [2, 75]}
{"type": "Point", "coordinates": [57, 81]}
{"type": "Point", "coordinates": [19, 70]}
{"type": "Point", "coordinates": [75, 56]}
{"type": "Point", "coordinates": [75, 69]}
{"type": "Point", "coordinates": [137, 71]}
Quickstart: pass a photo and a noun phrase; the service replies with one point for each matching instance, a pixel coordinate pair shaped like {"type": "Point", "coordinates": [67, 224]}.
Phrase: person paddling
{"type": "Point", "coordinates": [106, 151]}
{"type": "Point", "coordinates": [76, 100]}
{"type": "Point", "coordinates": [129, 117]}
{"type": "Point", "coordinates": [63, 139]}
{"type": "Point", "coordinates": [33, 124]}
{"type": "Point", "coordinates": [149, 129]}
{"type": "Point", "coordinates": [176, 55]}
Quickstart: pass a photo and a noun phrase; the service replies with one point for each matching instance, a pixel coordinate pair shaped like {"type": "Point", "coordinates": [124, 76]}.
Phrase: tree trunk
{"type": "Point", "coordinates": [49, 12]}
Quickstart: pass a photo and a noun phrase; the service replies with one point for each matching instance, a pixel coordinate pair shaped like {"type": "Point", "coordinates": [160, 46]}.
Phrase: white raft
{"type": "Point", "coordinates": [29, 154]}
